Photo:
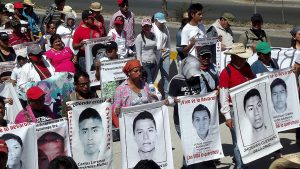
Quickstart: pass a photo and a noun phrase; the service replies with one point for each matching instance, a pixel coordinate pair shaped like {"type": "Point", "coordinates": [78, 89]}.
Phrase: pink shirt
{"type": "Point", "coordinates": [61, 60]}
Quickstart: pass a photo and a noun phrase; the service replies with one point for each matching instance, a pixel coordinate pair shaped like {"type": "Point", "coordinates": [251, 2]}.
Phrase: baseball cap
{"type": "Point", "coordinates": [146, 21]}
{"type": "Point", "coordinates": [34, 93]}
{"type": "Point", "coordinates": [256, 18]}
{"type": "Point", "coordinates": [3, 36]}
{"type": "Point", "coordinates": [263, 47]}
{"type": "Point", "coordinates": [160, 17]}
{"type": "Point", "coordinates": [204, 50]}
{"type": "Point", "coordinates": [119, 20]}
{"type": "Point", "coordinates": [3, 147]}
{"type": "Point", "coordinates": [18, 5]}
{"type": "Point", "coordinates": [111, 45]}
{"type": "Point", "coordinates": [87, 14]}
{"type": "Point", "coordinates": [122, 1]}
{"type": "Point", "coordinates": [34, 49]}
{"type": "Point", "coordinates": [229, 17]}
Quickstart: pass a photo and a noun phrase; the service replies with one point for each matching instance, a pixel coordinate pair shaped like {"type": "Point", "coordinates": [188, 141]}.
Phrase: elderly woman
{"type": "Point", "coordinates": [61, 57]}
{"type": "Point", "coordinates": [134, 90]}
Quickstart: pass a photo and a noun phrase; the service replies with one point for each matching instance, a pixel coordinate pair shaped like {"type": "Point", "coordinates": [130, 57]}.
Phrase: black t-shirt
{"type": "Point", "coordinates": [179, 86]}
{"type": "Point", "coordinates": [10, 57]}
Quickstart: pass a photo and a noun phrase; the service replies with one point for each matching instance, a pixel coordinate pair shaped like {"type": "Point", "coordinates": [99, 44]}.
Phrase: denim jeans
{"type": "Point", "coordinates": [164, 67]}
{"type": "Point", "coordinates": [236, 151]}
{"type": "Point", "coordinates": [150, 68]}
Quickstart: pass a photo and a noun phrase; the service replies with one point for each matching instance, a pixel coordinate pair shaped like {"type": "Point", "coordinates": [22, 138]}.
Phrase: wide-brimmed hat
{"type": "Point", "coordinates": [68, 9]}
{"type": "Point", "coordinates": [96, 6]}
{"type": "Point", "coordinates": [239, 50]}
{"type": "Point", "coordinates": [10, 7]}
{"type": "Point", "coordinates": [229, 17]}
{"type": "Point", "coordinates": [28, 2]}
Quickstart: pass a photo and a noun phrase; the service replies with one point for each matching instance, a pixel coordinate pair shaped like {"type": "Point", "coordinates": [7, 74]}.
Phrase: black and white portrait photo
{"type": "Point", "coordinates": [279, 96]}
{"type": "Point", "coordinates": [201, 121]}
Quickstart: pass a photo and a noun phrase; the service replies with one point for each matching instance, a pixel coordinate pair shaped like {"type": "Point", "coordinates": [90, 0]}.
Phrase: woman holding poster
{"type": "Point", "coordinates": [134, 90]}
{"type": "Point", "coordinates": [238, 71]}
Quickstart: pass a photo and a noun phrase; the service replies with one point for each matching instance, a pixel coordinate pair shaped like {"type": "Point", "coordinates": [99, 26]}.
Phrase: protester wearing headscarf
{"type": "Point", "coordinates": [134, 90]}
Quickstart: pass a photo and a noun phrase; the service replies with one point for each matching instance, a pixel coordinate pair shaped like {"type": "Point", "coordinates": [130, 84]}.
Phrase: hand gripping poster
{"type": "Point", "coordinates": [253, 122]}
{"type": "Point", "coordinates": [111, 76]}
{"type": "Point", "coordinates": [52, 141]}
{"type": "Point", "coordinates": [145, 135]}
{"type": "Point", "coordinates": [21, 143]}
{"type": "Point", "coordinates": [90, 125]}
{"type": "Point", "coordinates": [199, 125]}
{"type": "Point", "coordinates": [284, 99]}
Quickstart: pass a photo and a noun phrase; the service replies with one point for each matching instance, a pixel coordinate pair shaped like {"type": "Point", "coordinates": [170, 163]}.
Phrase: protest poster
{"type": "Point", "coordinates": [94, 50]}
{"type": "Point", "coordinates": [8, 91]}
{"type": "Point", "coordinates": [284, 99]}
{"type": "Point", "coordinates": [199, 126]}
{"type": "Point", "coordinates": [145, 134]}
{"type": "Point", "coordinates": [21, 143]}
{"type": "Point", "coordinates": [7, 66]}
{"type": "Point", "coordinates": [90, 127]}
{"type": "Point", "coordinates": [206, 41]}
{"type": "Point", "coordinates": [52, 141]}
{"type": "Point", "coordinates": [253, 122]}
{"type": "Point", "coordinates": [21, 49]}
{"type": "Point", "coordinates": [111, 75]}
{"type": "Point", "coordinates": [56, 88]}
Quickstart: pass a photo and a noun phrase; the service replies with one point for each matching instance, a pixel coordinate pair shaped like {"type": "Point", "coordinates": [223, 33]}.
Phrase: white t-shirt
{"type": "Point", "coordinates": [121, 41]}
{"type": "Point", "coordinates": [188, 32]}
{"type": "Point", "coordinates": [16, 74]}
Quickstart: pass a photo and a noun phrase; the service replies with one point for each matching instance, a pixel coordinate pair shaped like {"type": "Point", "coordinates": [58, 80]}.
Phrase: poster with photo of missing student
{"type": "Point", "coordinates": [199, 126]}
{"type": "Point", "coordinates": [21, 143]}
{"type": "Point", "coordinates": [90, 128]}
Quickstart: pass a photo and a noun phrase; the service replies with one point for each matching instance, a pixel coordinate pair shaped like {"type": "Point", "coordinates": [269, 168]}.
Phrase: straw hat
{"type": "Point", "coordinates": [239, 50]}
{"type": "Point", "coordinates": [68, 9]}
{"type": "Point", "coordinates": [96, 6]}
{"type": "Point", "coordinates": [28, 2]}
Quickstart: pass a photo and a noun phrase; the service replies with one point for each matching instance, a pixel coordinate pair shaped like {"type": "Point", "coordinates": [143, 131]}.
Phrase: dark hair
{"type": "Point", "coordinates": [200, 107]}
{"type": "Point", "coordinates": [143, 115]}
{"type": "Point", "coordinates": [194, 8]}
{"type": "Point", "coordinates": [249, 94]}
{"type": "Point", "coordinates": [79, 74]}
{"type": "Point", "coordinates": [50, 23]}
{"type": "Point", "coordinates": [97, 47]}
{"type": "Point", "coordinates": [277, 82]}
{"type": "Point", "coordinates": [65, 161]}
{"type": "Point", "coordinates": [123, 2]}
{"type": "Point", "coordinates": [54, 37]}
{"type": "Point", "coordinates": [19, 58]}
{"type": "Point", "coordinates": [293, 43]}
{"type": "Point", "coordinates": [2, 101]}
{"type": "Point", "coordinates": [57, 2]}
{"type": "Point", "coordinates": [146, 164]}
{"type": "Point", "coordinates": [50, 137]}
{"type": "Point", "coordinates": [89, 113]}
{"type": "Point", "coordinates": [10, 136]}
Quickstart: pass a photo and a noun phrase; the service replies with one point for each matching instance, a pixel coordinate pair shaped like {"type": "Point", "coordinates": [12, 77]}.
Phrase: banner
{"type": "Point", "coordinates": [67, 39]}
{"type": "Point", "coordinates": [253, 122]}
{"type": "Point", "coordinates": [8, 91]}
{"type": "Point", "coordinates": [199, 125]}
{"type": "Point", "coordinates": [7, 66]}
{"type": "Point", "coordinates": [21, 49]}
{"type": "Point", "coordinates": [52, 141]}
{"type": "Point", "coordinates": [21, 143]}
{"type": "Point", "coordinates": [56, 88]}
{"type": "Point", "coordinates": [285, 57]}
{"type": "Point", "coordinates": [94, 50]}
{"type": "Point", "coordinates": [90, 124]}
{"type": "Point", "coordinates": [145, 134]}
{"type": "Point", "coordinates": [284, 99]}
{"type": "Point", "coordinates": [111, 75]}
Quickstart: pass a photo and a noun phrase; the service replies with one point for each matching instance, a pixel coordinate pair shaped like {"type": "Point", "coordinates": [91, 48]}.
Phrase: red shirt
{"type": "Point", "coordinates": [18, 39]}
{"type": "Point", "coordinates": [236, 77]}
{"type": "Point", "coordinates": [82, 33]}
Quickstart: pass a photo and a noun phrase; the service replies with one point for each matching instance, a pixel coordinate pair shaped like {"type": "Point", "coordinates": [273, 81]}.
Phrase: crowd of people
{"type": "Point", "coordinates": [151, 49]}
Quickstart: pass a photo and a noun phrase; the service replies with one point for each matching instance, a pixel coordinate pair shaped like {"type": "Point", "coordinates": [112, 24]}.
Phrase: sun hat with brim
{"type": "Point", "coordinates": [96, 6]}
{"type": "Point", "coordinates": [3, 147]}
{"type": "Point", "coordinates": [28, 2]}
{"type": "Point", "coordinates": [34, 93]}
{"type": "Point", "coordinates": [295, 158]}
{"type": "Point", "coordinates": [160, 17]}
{"type": "Point", "coordinates": [239, 50]}
{"type": "Point", "coordinates": [263, 47]}
{"type": "Point", "coordinates": [229, 17]}
{"type": "Point", "coordinates": [68, 9]}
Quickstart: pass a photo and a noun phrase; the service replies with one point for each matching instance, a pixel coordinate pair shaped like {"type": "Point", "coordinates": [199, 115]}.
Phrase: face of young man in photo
{"type": "Point", "coordinates": [201, 123]}
{"type": "Point", "coordinates": [145, 135]}
{"type": "Point", "coordinates": [254, 112]}
{"type": "Point", "coordinates": [90, 132]}
{"type": "Point", "coordinates": [279, 98]}
{"type": "Point", "coordinates": [52, 149]}
{"type": "Point", "coordinates": [14, 152]}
